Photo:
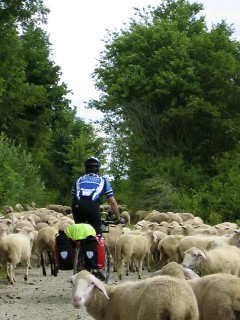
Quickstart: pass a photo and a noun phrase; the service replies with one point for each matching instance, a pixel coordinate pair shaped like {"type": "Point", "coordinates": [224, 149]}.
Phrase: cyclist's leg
{"type": "Point", "coordinates": [90, 211]}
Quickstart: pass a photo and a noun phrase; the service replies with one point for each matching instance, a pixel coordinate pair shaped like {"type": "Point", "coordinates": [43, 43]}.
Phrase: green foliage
{"type": "Point", "coordinates": [34, 110]}
{"type": "Point", "coordinates": [3, 273]}
{"type": "Point", "coordinates": [170, 94]}
{"type": "Point", "coordinates": [20, 180]}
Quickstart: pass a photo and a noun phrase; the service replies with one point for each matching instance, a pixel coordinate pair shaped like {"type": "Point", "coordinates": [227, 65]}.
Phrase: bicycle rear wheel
{"type": "Point", "coordinates": [75, 262]}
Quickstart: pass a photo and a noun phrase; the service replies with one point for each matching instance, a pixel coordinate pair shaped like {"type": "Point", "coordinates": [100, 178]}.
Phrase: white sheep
{"type": "Point", "coordinates": [21, 224]}
{"type": "Point", "coordinates": [168, 249]}
{"type": "Point", "coordinates": [159, 298]}
{"type": "Point", "coordinates": [158, 217]}
{"type": "Point", "coordinates": [217, 296]}
{"type": "Point", "coordinates": [141, 214]}
{"type": "Point", "coordinates": [45, 244]}
{"type": "Point", "coordinates": [176, 270]}
{"type": "Point", "coordinates": [163, 227]}
{"type": "Point", "coordinates": [186, 216]}
{"type": "Point", "coordinates": [126, 215]}
{"type": "Point", "coordinates": [4, 230]}
{"type": "Point", "coordinates": [131, 249]}
{"type": "Point", "coordinates": [8, 222]}
{"type": "Point", "coordinates": [219, 260]}
{"type": "Point", "coordinates": [200, 241]}
{"type": "Point", "coordinates": [14, 249]}
{"type": "Point", "coordinates": [229, 239]}
{"type": "Point", "coordinates": [115, 231]}
{"type": "Point", "coordinates": [174, 217]}
{"type": "Point", "coordinates": [157, 236]}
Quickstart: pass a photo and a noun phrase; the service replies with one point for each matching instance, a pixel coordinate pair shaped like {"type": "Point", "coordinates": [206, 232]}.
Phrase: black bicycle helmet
{"type": "Point", "coordinates": [92, 162]}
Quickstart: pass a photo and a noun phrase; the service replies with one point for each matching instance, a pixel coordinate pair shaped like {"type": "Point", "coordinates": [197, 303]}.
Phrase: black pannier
{"type": "Point", "coordinates": [94, 251]}
{"type": "Point", "coordinates": [64, 252]}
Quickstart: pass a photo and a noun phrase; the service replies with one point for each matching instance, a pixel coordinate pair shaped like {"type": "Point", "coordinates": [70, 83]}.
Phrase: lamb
{"type": "Point", "coordinates": [14, 249]}
{"type": "Point", "coordinates": [217, 296]}
{"type": "Point", "coordinates": [46, 244]}
{"type": "Point", "coordinates": [160, 297]}
{"type": "Point", "coordinates": [220, 260]}
{"type": "Point", "coordinates": [132, 248]}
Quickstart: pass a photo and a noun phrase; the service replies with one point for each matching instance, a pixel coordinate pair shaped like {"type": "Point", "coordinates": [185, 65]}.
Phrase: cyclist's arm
{"type": "Point", "coordinates": [113, 203]}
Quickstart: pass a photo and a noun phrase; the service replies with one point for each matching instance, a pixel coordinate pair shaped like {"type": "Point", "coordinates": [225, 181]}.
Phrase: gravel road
{"type": "Point", "coordinates": [43, 298]}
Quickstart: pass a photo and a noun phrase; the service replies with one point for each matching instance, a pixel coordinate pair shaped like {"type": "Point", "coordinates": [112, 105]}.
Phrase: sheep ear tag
{"type": "Point", "coordinates": [89, 254]}
{"type": "Point", "coordinates": [64, 254]}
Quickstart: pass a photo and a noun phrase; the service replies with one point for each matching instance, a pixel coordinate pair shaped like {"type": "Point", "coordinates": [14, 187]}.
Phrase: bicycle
{"type": "Point", "coordinates": [78, 245]}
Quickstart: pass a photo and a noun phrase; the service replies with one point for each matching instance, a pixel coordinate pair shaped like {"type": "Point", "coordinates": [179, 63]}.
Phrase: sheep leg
{"type": "Point", "coordinates": [11, 269]}
{"type": "Point", "coordinates": [127, 267]}
{"type": "Point", "coordinates": [26, 270]}
{"type": "Point", "coordinates": [52, 264]}
{"type": "Point", "coordinates": [43, 264]}
{"type": "Point", "coordinates": [149, 259]}
{"type": "Point", "coordinates": [140, 269]}
{"type": "Point", "coordinates": [120, 269]}
{"type": "Point", "coordinates": [162, 260]}
{"type": "Point", "coordinates": [6, 268]}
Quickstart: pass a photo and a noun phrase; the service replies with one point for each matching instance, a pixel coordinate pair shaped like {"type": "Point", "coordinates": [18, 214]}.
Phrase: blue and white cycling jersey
{"type": "Point", "coordinates": [91, 187]}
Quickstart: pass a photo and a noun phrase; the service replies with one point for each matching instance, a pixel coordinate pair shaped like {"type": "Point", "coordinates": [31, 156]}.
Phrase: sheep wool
{"type": "Point", "coordinates": [157, 298]}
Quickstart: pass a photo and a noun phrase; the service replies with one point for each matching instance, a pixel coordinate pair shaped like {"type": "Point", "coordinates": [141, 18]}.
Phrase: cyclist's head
{"type": "Point", "coordinates": [92, 165]}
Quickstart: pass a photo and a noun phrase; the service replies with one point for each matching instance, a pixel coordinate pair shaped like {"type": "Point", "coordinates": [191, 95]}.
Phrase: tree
{"type": "Point", "coordinates": [175, 86]}
{"type": "Point", "coordinates": [20, 179]}
{"type": "Point", "coordinates": [34, 110]}
{"type": "Point", "coordinates": [173, 82]}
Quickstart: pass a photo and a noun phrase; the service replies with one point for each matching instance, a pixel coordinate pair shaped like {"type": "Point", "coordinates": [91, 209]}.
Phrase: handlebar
{"type": "Point", "coordinates": [108, 222]}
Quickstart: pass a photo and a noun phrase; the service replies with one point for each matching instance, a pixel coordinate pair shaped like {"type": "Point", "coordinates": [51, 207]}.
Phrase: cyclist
{"type": "Point", "coordinates": [87, 192]}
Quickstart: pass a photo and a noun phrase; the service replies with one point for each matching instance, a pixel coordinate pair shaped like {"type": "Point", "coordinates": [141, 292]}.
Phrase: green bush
{"type": "Point", "coordinates": [20, 180]}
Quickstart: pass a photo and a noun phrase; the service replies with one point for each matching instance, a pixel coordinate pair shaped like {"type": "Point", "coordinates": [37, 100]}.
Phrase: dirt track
{"type": "Point", "coordinates": [43, 298]}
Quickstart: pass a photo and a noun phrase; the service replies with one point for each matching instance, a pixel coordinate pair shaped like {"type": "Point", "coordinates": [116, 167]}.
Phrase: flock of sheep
{"type": "Point", "coordinates": [195, 267]}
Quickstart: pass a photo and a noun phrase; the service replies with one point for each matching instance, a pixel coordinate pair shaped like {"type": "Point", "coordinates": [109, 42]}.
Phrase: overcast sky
{"type": "Point", "coordinates": [77, 27]}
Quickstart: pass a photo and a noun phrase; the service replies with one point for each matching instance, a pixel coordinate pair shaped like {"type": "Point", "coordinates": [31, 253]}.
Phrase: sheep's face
{"type": "Point", "coordinates": [191, 258]}
{"type": "Point", "coordinates": [81, 291]}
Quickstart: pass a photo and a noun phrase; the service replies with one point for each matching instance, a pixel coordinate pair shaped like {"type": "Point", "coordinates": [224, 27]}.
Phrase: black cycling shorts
{"type": "Point", "coordinates": [87, 211]}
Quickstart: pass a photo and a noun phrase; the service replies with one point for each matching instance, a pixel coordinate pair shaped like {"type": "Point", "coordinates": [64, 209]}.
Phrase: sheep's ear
{"type": "Point", "coordinates": [202, 254]}
{"type": "Point", "coordinates": [100, 286]}
{"type": "Point", "coordinates": [189, 274]}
